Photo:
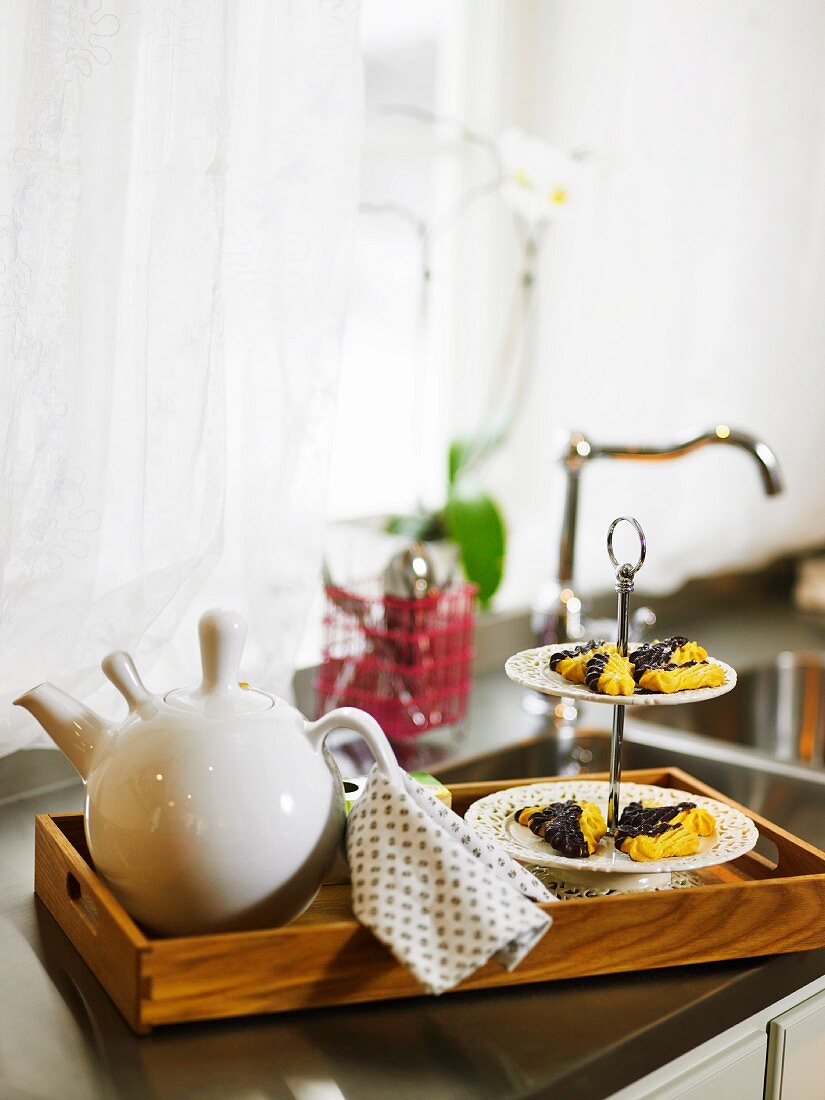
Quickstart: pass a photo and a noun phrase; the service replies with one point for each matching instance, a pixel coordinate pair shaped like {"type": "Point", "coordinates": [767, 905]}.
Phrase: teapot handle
{"type": "Point", "coordinates": [365, 726]}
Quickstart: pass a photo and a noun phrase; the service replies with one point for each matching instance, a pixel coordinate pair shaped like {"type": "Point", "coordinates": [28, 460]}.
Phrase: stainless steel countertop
{"type": "Point", "coordinates": [61, 1037]}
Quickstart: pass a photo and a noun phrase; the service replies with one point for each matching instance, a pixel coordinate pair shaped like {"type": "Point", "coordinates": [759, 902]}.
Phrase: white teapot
{"type": "Point", "coordinates": [210, 809]}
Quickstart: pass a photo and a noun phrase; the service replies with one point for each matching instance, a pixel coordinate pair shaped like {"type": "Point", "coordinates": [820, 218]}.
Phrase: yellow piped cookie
{"type": "Point", "coordinates": [691, 651]}
{"type": "Point", "coordinates": [697, 821]}
{"type": "Point", "coordinates": [523, 816]}
{"type": "Point", "coordinates": [571, 663]}
{"type": "Point", "coordinates": [572, 828]}
{"type": "Point", "coordinates": [647, 832]}
{"type": "Point", "coordinates": [675, 842]}
{"type": "Point", "coordinates": [609, 674]}
{"type": "Point", "coordinates": [685, 677]}
{"type": "Point", "coordinates": [593, 825]}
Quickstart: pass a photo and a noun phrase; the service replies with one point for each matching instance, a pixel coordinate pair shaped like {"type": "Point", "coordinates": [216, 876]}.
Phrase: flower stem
{"type": "Point", "coordinates": [511, 375]}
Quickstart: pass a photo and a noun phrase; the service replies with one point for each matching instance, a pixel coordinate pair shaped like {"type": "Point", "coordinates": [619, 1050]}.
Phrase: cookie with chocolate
{"type": "Point", "coordinates": [609, 674]}
{"type": "Point", "coordinates": [648, 833]}
{"type": "Point", "coordinates": [672, 677]}
{"type": "Point", "coordinates": [573, 829]}
{"type": "Point", "coordinates": [571, 663]}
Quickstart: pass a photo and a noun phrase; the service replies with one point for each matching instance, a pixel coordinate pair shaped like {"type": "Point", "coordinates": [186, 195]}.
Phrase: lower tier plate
{"type": "Point", "coordinates": [494, 817]}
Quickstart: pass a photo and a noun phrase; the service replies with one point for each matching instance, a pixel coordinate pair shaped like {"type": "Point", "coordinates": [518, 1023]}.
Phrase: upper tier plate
{"type": "Point", "coordinates": [531, 669]}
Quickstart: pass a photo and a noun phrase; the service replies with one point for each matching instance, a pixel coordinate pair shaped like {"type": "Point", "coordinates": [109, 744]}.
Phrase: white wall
{"type": "Point", "coordinates": [690, 289]}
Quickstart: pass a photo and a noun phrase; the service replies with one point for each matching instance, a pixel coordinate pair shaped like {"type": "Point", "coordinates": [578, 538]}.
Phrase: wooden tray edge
{"type": "Point", "coordinates": [147, 979]}
{"type": "Point", "coordinates": [99, 928]}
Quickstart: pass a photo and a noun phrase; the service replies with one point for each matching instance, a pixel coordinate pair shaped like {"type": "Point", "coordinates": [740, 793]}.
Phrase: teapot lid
{"type": "Point", "coordinates": [222, 635]}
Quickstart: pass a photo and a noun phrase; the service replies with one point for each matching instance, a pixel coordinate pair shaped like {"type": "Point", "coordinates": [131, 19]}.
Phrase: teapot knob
{"type": "Point", "coordinates": [120, 669]}
{"type": "Point", "coordinates": [222, 635]}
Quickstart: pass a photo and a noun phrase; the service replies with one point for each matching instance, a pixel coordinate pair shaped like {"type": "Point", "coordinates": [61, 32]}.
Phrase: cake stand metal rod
{"type": "Point", "coordinates": [625, 575]}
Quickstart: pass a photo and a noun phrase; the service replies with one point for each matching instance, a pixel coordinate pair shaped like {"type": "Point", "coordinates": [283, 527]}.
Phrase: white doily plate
{"type": "Point", "coordinates": [531, 669]}
{"type": "Point", "coordinates": [493, 817]}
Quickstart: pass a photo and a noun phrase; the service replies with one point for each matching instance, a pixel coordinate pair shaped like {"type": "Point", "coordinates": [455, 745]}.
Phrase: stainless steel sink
{"type": "Point", "coordinates": [778, 710]}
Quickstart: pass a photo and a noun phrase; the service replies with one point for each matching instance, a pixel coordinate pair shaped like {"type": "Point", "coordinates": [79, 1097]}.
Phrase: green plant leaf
{"type": "Point", "coordinates": [428, 527]}
{"type": "Point", "coordinates": [460, 450]}
{"type": "Point", "coordinates": [474, 522]}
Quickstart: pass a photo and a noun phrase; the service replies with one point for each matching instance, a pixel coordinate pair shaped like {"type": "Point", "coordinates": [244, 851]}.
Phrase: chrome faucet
{"type": "Point", "coordinates": [560, 616]}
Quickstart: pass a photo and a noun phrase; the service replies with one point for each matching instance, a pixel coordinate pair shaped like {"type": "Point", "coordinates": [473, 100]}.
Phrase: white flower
{"type": "Point", "coordinates": [540, 182]}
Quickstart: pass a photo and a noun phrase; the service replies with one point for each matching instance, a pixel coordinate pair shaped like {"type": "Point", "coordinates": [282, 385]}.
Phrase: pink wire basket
{"type": "Point", "coordinates": [405, 662]}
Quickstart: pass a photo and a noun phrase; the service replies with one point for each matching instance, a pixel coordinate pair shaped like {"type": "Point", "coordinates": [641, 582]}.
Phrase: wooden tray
{"type": "Point", "coordinates": [745, 908]}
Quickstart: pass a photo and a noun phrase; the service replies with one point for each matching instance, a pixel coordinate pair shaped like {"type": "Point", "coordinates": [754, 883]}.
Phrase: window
{"type": "Point", "coordinates": [384, 454]}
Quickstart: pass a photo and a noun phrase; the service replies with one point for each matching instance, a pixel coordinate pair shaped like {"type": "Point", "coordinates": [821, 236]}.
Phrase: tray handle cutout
{"type": "Point", "coordinates": [85, 906]}
{"type": "Point", "coordinates": [767, 849]}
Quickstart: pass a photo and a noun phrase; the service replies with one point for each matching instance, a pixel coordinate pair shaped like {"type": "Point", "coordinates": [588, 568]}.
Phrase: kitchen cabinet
{"type": "Point", "coordinates": [726, 1068]}
{"type": "Point", "coordinates": [735, 1072]}
{"type": "Point", "coordinates": [777, 1054]}
{"type": "Point", "coordinates": [796, 1062]}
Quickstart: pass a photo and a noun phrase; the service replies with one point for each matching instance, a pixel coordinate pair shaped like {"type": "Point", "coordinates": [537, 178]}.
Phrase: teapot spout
{"type": "Point", "coordinates": [74, 728]}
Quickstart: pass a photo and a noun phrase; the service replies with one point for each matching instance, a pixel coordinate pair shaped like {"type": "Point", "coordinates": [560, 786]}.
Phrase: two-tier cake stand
{"type": "Point", "coordinates": [607, 870]}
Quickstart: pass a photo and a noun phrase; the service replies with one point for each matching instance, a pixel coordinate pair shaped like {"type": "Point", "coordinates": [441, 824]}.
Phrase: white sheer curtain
{"type": "Point", "coordinates": [178, 182]}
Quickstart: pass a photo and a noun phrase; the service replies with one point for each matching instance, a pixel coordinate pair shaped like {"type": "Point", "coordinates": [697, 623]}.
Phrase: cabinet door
{"type": "Point", "coordinates": [732, 1071]}
{"type": "Point", "coordinates": [796, 1069]}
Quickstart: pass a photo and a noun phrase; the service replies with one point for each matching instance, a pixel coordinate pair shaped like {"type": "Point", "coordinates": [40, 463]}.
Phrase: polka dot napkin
{"type": "Point", "coordinates": [441, 898]}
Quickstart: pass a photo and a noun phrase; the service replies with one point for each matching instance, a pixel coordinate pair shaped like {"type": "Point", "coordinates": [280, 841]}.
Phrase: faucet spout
{"type": "Point", "coordinates": [772, 481]}
{"type": "Point", "coordinates": [560, 619]}
{"type": "Point", "coordinates": [583, 450]}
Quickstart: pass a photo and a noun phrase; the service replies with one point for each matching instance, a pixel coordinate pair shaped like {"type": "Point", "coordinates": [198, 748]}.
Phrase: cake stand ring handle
{"type": "Point", "coordinates": [633, 570]}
